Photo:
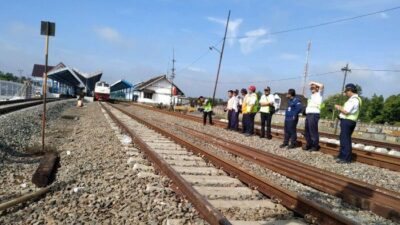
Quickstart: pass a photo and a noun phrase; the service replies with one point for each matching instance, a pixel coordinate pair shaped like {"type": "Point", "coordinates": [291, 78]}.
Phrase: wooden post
{"type": "Point", "coordinates": [45, 90]}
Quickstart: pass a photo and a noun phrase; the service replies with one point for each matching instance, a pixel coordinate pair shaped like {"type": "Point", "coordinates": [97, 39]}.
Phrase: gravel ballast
{"type": "Point", "coordinates": [315, 159]}
{"type": "Point", "coordinates": [96, 183]}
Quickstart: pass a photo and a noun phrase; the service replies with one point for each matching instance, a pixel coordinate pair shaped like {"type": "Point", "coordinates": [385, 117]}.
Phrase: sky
{"type": "Point", "coordinates": [134, 40]}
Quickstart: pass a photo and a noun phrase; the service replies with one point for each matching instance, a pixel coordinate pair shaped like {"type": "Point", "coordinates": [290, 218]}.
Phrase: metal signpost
{"type": "Point", "coordinates": [47, 29]}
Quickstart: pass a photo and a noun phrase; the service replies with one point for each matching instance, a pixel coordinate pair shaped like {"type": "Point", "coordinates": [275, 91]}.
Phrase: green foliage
{"type": "Point", "coordinates": [330, 102]}
{"type": "Point", "coordinates": [359, 89]}
{"type": "Point", "coordinates": [391, 110]}
{"type": "Point", "coordinates": [10, 77]}
{"type": "Point", "coordinates": [374, 109]}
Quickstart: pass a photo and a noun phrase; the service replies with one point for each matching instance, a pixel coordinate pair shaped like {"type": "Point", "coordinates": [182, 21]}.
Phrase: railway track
{"type": "Point", "coordinates": [11, 106]}
{"type": "Point", "coordinates": [218, 194]}
{"type": "Point", "coordinates": [366, 142]}
{"type": "Point", "coordinates": [383, 202]}
{"type": "Point", "coordinates": [367, 157]}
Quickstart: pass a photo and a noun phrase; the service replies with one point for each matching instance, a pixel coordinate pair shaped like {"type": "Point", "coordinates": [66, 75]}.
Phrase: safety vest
{"type": "Point", "coordinates": [208, 106]}
{"type": "Point", "coordinates": [265, 109]}
{"type": "Point", "coordinates": [354, 116]}
{"type": "Point", "coordinates": [244, 104]}
{"type": "Point", "coordinates": [255, 106]}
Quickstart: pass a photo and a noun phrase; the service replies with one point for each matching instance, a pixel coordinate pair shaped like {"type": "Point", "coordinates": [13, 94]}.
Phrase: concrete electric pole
{"type": "Point", "coordinates": [306, 69]}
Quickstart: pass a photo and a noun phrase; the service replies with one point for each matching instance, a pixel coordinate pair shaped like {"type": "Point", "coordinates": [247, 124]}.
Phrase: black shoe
{"type": "Point", "coordinates": [247, 134]}
{"type": "Point", "coordinates": [283, 145]}
{"type": "Point", "coordinates": [313, 149]}
{"type": "Point", "coordinates": [291, 146]}
{"type": "Point", "coordinates": [269, 137]}
{"type": "Point", "coordinates": [340, 161]}
{"type": "Point", "coordinates": [306, 148]}
{"type": "Point", "coordinates": [262, 137]}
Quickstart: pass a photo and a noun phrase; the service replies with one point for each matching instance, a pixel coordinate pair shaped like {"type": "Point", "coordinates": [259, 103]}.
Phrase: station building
{"type": "Point", "coordinates": [156, 90]}
{"type": "Point", "coordinates": [66, 81]}
{"type": "Point", "coordinates": [121, 90]}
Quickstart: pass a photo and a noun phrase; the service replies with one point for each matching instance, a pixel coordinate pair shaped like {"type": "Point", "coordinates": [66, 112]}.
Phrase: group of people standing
{"type": "Point", "coordinates": [249, 104]}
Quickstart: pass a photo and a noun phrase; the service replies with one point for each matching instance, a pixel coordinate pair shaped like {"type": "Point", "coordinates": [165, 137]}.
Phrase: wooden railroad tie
{"type": "Point", "coordinates": [46, 172]}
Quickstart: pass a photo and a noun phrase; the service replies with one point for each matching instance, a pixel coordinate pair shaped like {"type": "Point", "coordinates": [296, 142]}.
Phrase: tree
{"type": "Point", "coordinates": [329, 105]}
{"type": "Point", "coordinates": [11, 77]}
{"type": "Point", "coordinates": [375, 107]}
{"type": "Point", "coordinates": [359, 89]}
{"type": "Point", "coordinates": [390, 111]}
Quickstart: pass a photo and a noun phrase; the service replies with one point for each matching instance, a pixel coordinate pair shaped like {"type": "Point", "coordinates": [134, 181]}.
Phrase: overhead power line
{"type": "Point", "coordinates": [264, 81]}
{"type": "Point", "coordinates": [321, 24]}
{"type": "Point", "coordinates": [378, 70]}
{"type": "Point", "coordinates": [200, 57]}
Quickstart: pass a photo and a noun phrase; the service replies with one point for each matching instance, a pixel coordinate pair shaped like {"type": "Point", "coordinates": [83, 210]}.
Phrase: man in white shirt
{"type": "Point", "coordinates": [235, 110]}
{"type": "Point", "coordinates": [229, 108]}
{"type": "Point", "coordinates": [266, 102]}
{"type": "Point", "coordinates": [313, 110]}
{"type": "Point", "coordinates": [349, 114]}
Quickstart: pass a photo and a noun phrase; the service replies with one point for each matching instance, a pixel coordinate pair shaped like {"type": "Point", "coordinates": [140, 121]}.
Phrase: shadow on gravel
{"type": "Point", "coordinates": [10, 155]}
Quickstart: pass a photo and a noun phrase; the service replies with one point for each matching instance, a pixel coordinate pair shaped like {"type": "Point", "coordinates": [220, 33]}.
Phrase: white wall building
{"type": "Point", "coordinates": [157, 90]}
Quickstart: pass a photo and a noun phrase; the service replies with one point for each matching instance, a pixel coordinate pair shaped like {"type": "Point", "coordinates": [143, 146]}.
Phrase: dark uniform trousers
{"type": "Point", "coordinates": [234, 120]}
{"type": "Point", "coordinates": [311, 130]}
{"type": "Point", "coordinates": [290, 131]}
{"type": "Point", "coordinates": [205, 115]}
{"type": "Point", "coordinates": [266, 120]}
{"type": "Point", "coordinates": [346, 130]}
{"type": "Point", "coordinates": [230, 112]}
{"type": "Point", "coordinates": [250, 123]}
{"type": "Point", "coordinates": [245, 123]}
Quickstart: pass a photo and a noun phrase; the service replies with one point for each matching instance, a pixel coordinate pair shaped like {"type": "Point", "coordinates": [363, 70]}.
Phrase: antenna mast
{"type": "Point", "coordinates": [306, 69]}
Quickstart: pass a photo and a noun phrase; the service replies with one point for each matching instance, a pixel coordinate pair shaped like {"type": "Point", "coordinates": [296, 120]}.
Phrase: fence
{"type": "Point", "coordinates": [9, 89]}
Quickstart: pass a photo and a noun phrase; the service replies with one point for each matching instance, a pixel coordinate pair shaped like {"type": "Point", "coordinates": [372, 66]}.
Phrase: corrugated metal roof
{"type": "Point", "coordinates": [120, 85]}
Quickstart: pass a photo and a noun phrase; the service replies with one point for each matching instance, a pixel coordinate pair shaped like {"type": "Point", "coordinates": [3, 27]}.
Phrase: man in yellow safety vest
{"type": "Point", "coordinates": [206, 107]}
{"type": "Point", "coordinates": [251, 105]}
{"type": "Point", "coordinates": [349, 114]}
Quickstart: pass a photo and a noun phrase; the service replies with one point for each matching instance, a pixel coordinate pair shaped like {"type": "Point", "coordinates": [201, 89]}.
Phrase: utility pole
{"type": "Point", "coordinates": [306, 69]}
{"type": "Point", "coordinates": [345, 70]}
{"type": "Point", "coordinates": [20, 72]}
{"type": "Point", "coordinates": [220, 58]}
{"type": "Point", "coordinates": [172, 77]}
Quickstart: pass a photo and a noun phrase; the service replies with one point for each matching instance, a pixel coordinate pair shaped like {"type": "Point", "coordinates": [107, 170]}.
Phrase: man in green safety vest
{"type": "Point", "coordinates": [349, 113]}
{"type": "Point", "coordinates": [206, 107]}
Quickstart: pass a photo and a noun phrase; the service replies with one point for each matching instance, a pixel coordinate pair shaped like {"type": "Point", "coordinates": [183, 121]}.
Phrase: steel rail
{"type": "Point", "coordinates": [21, 105]}
{"type": "Point", "coordinates": [209, 213]}
{"type": "Point", "coordinates": [356, 140]}
{"type": "Point", "coordinates": [18, 101]}
{"type": "Point", "coordinates": [307, 208]}
{"type": "Point", "coordinates": [370, 158]}
{"type": "Point", "coordinates": [383, 202]}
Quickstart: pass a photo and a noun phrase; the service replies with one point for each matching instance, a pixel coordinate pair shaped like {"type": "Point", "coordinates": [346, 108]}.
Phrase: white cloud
{"type": "Point", "coordinates": [196, 69]}
{"type": "Point", "coordinates": [384, 15]}
{"type": "Point", "coordinates": [233, 27]}
{"type": "Point", "coordinates": [19, 28]}
{"type": "Point", "coordinates": [289, 56]}
{"type": "Point", "coordinates": [113, 36]}
{"type": "Point", "coordinates": [254, 39]}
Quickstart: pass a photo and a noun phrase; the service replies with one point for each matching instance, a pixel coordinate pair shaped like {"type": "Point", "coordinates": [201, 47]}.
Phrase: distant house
{"type": "Point", "coordinates": [157, 90]}
{"type": "Point", "coordinates": [281, 102]}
